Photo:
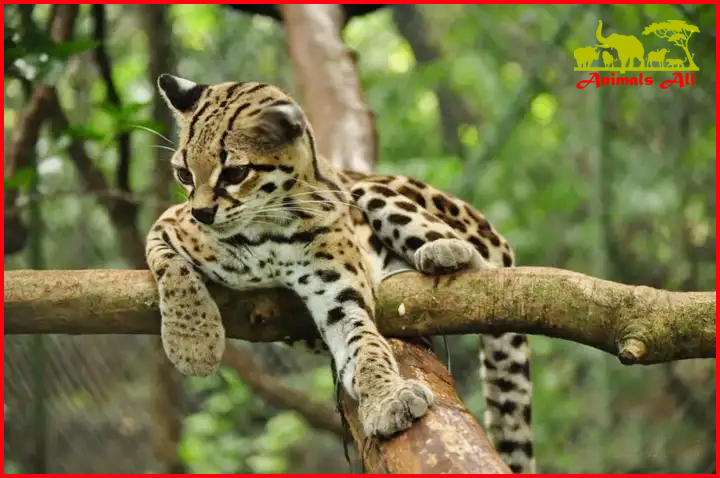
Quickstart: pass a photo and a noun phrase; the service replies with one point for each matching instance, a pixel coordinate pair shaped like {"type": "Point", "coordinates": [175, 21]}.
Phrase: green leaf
{"type": "Point", "coordinates": [21, 179]}
{"type": "Point", "coordinates": [67, 49]}
{"type": "Point", "coordinates": [85, 132]}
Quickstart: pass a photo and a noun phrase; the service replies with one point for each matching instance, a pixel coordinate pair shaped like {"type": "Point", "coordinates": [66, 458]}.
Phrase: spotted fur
{"type": "Point", "coordinates": [265, 210]}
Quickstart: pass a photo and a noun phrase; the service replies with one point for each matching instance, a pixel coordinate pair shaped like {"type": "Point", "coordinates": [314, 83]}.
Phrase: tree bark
{"type": "Point", "coordinates": [447, 440]}
{"type": "Point", "coordinates": [325, 72]}
{"type": "Point", "coordinates": [640, 325]}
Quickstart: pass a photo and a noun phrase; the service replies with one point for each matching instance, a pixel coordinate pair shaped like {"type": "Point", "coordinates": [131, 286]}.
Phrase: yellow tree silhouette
{"type": "Point", "coordinates": [677, 32]}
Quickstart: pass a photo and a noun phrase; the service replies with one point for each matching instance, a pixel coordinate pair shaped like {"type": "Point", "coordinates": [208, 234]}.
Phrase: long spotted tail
{"type": "Point", "coordinates": [505, 371]}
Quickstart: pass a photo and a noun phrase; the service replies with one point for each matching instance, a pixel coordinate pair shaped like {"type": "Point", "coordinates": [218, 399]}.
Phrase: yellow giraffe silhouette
{"type": "Point", "coordinates": [628, 48]}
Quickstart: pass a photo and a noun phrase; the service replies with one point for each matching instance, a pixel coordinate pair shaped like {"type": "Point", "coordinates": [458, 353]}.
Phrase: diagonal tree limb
{"type": "Point", "coordinates": [453, 110]}
{"type": "Point", "coordinates": [279, 395]}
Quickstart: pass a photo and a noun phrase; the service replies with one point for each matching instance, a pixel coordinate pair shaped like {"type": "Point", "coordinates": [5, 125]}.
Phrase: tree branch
{"type": "Point", "coordinates": [454, 112]}
{"type": "Point", "coordinates": [279, 395]}
{"type": "Point", "coordinates": [640, 325]}
{"type": "Point", "coordinates": [105, 67]}
{"type": "Point", "coordinates": [433, 451]}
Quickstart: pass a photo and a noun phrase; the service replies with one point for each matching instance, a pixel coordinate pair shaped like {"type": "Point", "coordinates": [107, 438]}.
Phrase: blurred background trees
{"type": "Point", "coordinates": [618, 183]}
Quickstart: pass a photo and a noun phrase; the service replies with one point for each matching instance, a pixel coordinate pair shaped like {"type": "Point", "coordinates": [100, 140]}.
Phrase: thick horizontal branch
{"type": "Point", "coordinates": [638, 324]}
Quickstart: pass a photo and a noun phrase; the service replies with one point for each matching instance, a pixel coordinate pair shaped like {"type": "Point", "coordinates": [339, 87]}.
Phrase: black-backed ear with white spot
{"type": "Point", "coordinates": [280, 125]}
{"type": "Point", "coordinates": [180, 94]}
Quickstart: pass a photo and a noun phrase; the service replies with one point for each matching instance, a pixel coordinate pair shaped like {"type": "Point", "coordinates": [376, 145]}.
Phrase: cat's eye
{"type": "Point", "coordinates": [223, 155]}
{"type": "Point", "coordinates": [184, 176]}
{"type": "Point", "coordinates": [234, 175]}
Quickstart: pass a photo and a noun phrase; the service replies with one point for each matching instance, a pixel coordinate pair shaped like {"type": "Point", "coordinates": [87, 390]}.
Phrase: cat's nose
{"type": "Point", "coordinates": [204, 215]}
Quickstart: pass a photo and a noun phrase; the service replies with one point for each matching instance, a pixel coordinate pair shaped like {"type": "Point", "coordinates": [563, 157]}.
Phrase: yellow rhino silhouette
{"type": "Point", "coordinates": [585, 56]}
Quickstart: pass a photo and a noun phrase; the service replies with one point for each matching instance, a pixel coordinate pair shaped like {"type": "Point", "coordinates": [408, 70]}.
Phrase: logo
{"type": "Point", "coordinates": [625, 53]}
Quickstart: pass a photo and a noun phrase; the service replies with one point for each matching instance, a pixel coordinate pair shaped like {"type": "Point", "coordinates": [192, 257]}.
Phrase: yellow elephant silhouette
{"type": "Point", "coordinates": [628, 48]}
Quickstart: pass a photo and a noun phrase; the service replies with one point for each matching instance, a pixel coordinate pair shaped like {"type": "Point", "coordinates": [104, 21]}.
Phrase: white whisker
{"type": "Point", "coordinates": [150, 130]}
{"type": "Point", "coordinates": [162, 146]}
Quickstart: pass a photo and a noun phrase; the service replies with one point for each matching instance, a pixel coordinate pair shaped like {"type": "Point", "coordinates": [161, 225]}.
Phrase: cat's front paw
{"type": "Point", "coordinates": [394, 408]}
{"type": "Point", "coordinates": [446, 255]}
{"type": "Point", "coordinates": [192, 334]}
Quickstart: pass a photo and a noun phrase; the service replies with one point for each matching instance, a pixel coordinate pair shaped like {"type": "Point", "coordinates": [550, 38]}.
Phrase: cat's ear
{"type": "Point", "coordinates": [281, 124]}
{"type": "Point", "coordinates": [180, 94]}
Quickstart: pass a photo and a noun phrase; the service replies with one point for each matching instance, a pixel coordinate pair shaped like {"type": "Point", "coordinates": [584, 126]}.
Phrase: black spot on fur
{"type": "Point", "coordinates": [396, 234]}
{"type": "Point", "coordinates": [327, 275]}
{"type": "Point", "coordinates": [350, 267]}
{"type": "Point", "coordinates": [358, 193]}
{"type": "Point", "coordinates": [480, 246]}
{"type": "Point", "coordinates": [335, 315]}
{"type": "Point", "coordinates": [455, 224]}
{"type": "Point", "coordinates": [507, 260]}
{"type": "Point", "coordinates": [407, 206]}
{"type": "Point", "coordinates": [518, 340]}
{"type": "Point", "coordinates": [520, 368]}
{"type": "Point", "coordinates": [375, 204]}
{"type": "Point", "coordinates": [377, 225]}
{"type": "Point", "coordinates": [417, 183]}
{"type": "Point", "coordinates": [413, 243]}
{"type": "Point", "coordinates": [527, 414]}
{"type": "Point", "coordinates": [303, 279]}
{"type": "Point", "coordinates": [383, 190]}
{"type": "Point", "coordinates": [289, 184]}
{"type": "Point", "coordinates": [399, 219]}
{"type": "Point", "coordinates": [268, 187]}
{"type": "Point", "coordinates": [506, 447]}
{"type": "Point", "coordinates": [351, 295]}
{"type": "Point", "coordinates": [324, 255]}
{"type": "Point", "coordinates": [499, 355]}
{"type": "Point", "coordinates": [376, 243]}
{"type": "Point", "coordinates": [413, 195]}
{"type": "Point", "coordinates": [439, 202]}
{"type": "Point", "coordinates": [286, 169]}
{"type": "Point", "coordinates": [504, 385]}
{"type": "Point", "coordinates": [266, 168]}
{"type": "Point", "coordinates": [433, 236]}
{"type": "Point", "coordinates": [453, 209]}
